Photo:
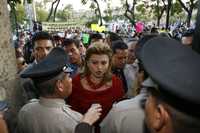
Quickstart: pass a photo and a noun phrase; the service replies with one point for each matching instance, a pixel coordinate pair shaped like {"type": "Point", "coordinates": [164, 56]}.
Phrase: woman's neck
{"type": "Point", "coordinates": [95, 80]}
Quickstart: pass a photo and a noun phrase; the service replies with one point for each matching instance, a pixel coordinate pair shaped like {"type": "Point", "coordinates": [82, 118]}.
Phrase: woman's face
{"type": "Point", "coordinates": [98, 65]}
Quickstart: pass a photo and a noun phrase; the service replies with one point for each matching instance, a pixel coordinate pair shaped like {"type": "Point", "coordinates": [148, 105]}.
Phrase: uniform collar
{"type": "Point", "coordinates": [52, 102]}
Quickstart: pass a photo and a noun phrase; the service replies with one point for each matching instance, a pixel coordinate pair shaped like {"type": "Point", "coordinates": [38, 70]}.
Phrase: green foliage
{"type": "Point", "coordinates": [20, 12]}
{"type": "Point", "coordinates": [41, 14]}
{"type": "Point", "coordinates": [29, 1]}
{"type": "Point", "coordinates": [84, 2]}
{"type": "Point", "coordinates": [107, 18]}
{"type": "Point", "coordinates": [14, 1]}
{"type": "Point", "coordinates": [66, 13]}
{"type": "Point", "coordinates": [92, 5]}
{"type": "Point", "coordinates": [176, 8]}
{"type": "Point", "coordinates": [94, 21]}
{"type": "Point", "coordinates": [141, 8]}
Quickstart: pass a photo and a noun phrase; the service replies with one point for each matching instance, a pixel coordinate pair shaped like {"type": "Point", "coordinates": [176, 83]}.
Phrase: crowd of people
{"type": "Point", "coordinates": [147, 83]}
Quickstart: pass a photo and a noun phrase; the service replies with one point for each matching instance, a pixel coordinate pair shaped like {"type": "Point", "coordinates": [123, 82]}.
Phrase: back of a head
{"type": "Point", "coordinates": [114, 37]}
{"type": "Point", "coordinates": [96, 36]}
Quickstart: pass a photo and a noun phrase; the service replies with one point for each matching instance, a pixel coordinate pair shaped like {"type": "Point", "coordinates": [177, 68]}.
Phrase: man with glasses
{"type": "Point", "coordinates": [50, 114]}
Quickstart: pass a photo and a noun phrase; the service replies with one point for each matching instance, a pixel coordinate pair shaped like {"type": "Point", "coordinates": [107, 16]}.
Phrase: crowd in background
{"type": "Point", "coordinates": [107, 71]}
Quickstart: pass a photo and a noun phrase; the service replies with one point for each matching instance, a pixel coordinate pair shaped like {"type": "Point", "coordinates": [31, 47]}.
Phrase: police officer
{"type": "Point", "coordinates": [172, 105]}
{"type": "Point", "coordinates": [50, 114]}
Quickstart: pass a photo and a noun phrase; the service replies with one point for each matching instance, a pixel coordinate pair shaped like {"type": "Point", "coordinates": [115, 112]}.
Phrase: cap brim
{"type": "Point", "coordinates": [3, 105]}
{"type": "Point", "coordinates": [67, 69]}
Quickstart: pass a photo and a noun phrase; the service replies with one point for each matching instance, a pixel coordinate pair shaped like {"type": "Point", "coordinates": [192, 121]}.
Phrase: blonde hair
{"type": "Point", "coordinates": [100, 49]}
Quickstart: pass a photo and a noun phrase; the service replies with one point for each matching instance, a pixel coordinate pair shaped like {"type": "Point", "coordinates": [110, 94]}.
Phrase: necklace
{"type": "Point", "coordinates": [92, 84]}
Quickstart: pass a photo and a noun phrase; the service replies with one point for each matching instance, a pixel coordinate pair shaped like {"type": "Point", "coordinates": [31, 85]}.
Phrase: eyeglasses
{"type": "Point", "coordinates": [68, 69]}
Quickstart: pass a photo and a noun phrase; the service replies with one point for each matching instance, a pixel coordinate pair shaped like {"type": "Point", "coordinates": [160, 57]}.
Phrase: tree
{"type": "Point", "coordinates": [54, 14]}
{"type": "Point", "coordinates": [169, 5]}
{"type": "Point", "coordinates": [196, 40]}
{"type": "Point", "coordinates": [41, 14]}
{"type": "Point", "coordinates": [9, 85]}
{"type": "Point", "coordinates": [66, 13]}
{"type": "Point", "coordinates": [52, 10]}
{"type": "Point", "coordinates": [158, 9]}
{"type": "Point", "coordinates": [130, 11]}
{"type": "Point", "coordinates": [108, 13]}
{"type": "Point", "coordinates": [20, 12]}
{"type": "Point", "coordinates": [95, 5]}
{"type": "Point", "coordinates": [188, 7]}
{"type": "Point", "coordinates": [13, 16]}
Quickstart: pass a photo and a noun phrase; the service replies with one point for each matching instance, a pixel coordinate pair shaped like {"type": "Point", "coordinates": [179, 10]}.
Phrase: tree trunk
{"type": "Point", "coordinates": [196, 40]}
{"type": "Point", "coordinates": [189, 19]}
{"type": "Point", "coordinates": [130, 13]}
{"type": "Point", "coordinates": [55, 10]}
{"type": "Point", "coordinates": [9, 85]}
{"type": "Point", "coordinates": [168, 13]}
{"type": "Point", "coordinates": [51, 10]}
{"type": "Point", "coordinates": [99, 12]}
{"type": "Point", "coordinates": [13, 14]}
{"type": "Point", "coordinates": [158, 14]}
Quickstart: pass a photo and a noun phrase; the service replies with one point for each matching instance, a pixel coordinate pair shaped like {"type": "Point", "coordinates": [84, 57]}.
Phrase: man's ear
{"type": "Point", "coordinates": [60, 86]}
{"type": "Point", "coordinates": [161, 117]}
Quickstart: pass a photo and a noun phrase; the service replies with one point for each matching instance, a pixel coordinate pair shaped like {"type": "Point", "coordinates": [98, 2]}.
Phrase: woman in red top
{"type": "Point", "coordinates": [96, 84]}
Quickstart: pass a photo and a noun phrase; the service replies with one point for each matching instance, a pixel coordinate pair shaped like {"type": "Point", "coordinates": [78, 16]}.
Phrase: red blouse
{"type": "Point", "coordinates": [81, 99]}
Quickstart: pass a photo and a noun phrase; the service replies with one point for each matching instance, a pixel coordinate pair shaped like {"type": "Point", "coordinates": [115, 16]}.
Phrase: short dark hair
{"type": "Point", "coordinates": [48, 87]}
{"type": "Point", "coordinates": [96, 36]}
{"type": "Point", "coordinates": [68, 42]}
{"type": "Point", "coordinates": [119, 44]}
{"type": "Point", "coordinates": [41, 36]}
{"type": "Point", "coordinates": [114, 37]}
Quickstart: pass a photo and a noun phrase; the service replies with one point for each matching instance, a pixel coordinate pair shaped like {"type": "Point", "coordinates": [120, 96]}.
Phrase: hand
{"type": "Point", "coordinates": [3, 126]}
{"type": "Point", "coordinates": [1, 115]}
{"type": "Point", "coordinates": [93, 114]}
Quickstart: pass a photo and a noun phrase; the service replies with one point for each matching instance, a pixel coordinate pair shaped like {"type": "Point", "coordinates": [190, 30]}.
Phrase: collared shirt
{"type": "Point", "coordinates": [120, 73]}
{"type": "Point", "coordinates": [130, 72]}
{"type": "Point", "coordinates": [47, 116]}
{"type": "Point", "coordinates": [76, 68]}
{"type": "Point", "coordinates": [126, 116]}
